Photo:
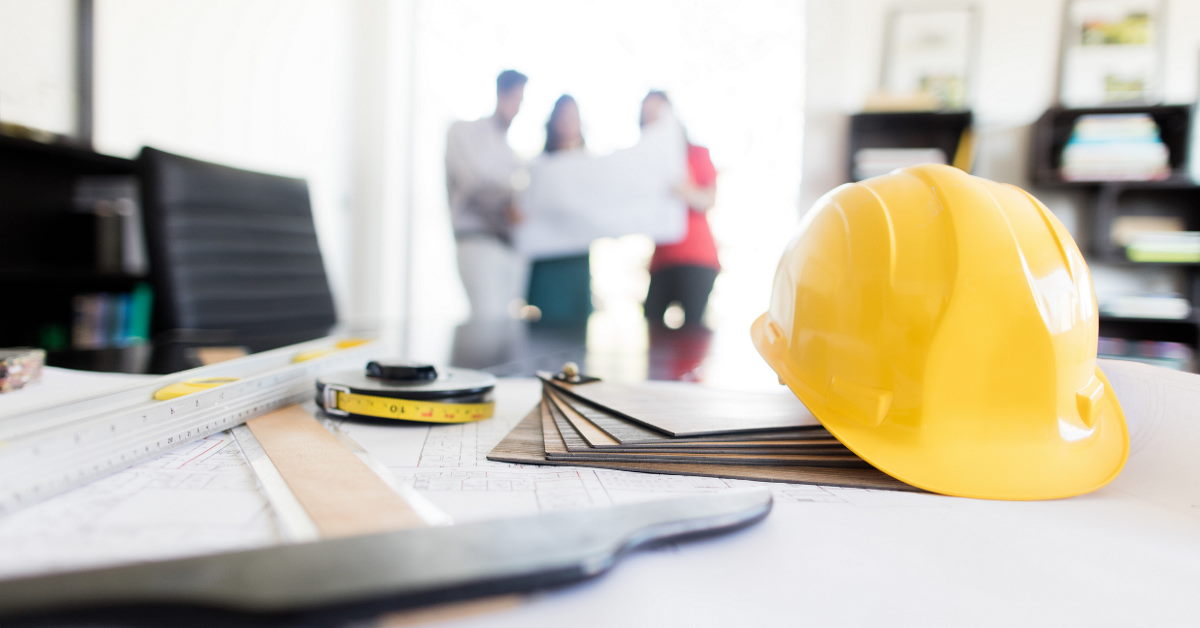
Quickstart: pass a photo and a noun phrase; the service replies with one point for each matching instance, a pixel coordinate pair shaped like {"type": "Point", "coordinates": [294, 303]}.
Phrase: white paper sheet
{"type": "Point", "coordinates": [197, 499]}
{"type": "Point", "coordinates": [1128, 554]}
{"type": "Point", "coordinates": [574, 198]}
{"type": "Point", "coordinates": [448, 465]}
{"type": "Point", "coordinates": [62, 385]}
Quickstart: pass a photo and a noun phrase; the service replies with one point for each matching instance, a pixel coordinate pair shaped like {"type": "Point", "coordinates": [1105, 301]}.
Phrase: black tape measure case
{"type": "Point", "coordinates": [406, 391]}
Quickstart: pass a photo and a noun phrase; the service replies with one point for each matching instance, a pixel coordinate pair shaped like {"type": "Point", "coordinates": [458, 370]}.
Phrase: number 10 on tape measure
{"type": "Point", "coordinates": [406, 391]}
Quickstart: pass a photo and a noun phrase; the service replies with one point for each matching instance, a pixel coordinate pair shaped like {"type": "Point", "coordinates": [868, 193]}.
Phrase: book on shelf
{"type": "Point", "coordinates": [1128, 227]}
{"type": "Point", "coordinates": [1164, 306]}
{"type": "Point", "coordinates": [103, 320]}
{"type": "Point", "coordinates": [114, 202]}
{"type": "Point", "coordinates": [86, 320]}
{"type": "Point", "coordinates": [1115, 147]}
{"type": "Point", "coordinates": [1164, 246]}
{"type": "Point", "coordinates": [872, 162]}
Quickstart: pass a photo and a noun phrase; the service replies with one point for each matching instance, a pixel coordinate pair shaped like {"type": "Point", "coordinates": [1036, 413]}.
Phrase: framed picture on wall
{"type": "Point", "coordinates": [928, 54]}
{"type": "Point", "coordinates": [1111, 53]}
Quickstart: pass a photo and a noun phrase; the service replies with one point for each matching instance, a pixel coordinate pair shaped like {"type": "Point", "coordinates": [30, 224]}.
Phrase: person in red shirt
{"type": "Point", "coordinates": [683, 272]}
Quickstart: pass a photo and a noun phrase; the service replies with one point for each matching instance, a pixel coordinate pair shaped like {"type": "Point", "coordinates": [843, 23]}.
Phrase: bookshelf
{"type": "Point", "coordinates": [942, 132]}
{"type": "Point", "coordinates": [1111, 205]}
{"type": "Point", "coordinates": [1053, 131]}
{"type": "Point", "coordinates": [71, 238]}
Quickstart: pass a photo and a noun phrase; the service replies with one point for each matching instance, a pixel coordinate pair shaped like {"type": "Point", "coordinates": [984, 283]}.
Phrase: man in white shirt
{"type": "Point", "coordinates": [480, 166]}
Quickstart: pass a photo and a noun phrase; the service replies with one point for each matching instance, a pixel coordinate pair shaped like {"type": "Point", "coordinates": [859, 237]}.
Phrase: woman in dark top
{"type": "Point", "coordinates": [683, 272]}
{"type": "Point", "coordinates": [561, 287]}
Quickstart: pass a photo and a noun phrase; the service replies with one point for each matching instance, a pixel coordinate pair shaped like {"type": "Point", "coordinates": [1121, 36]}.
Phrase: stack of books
{"type": "Point", "coordinates": [1164, 306]}
{"type": "Point", "coordinates": [872, 162]}
{"type": "Point", "coordinates": [1115, 147]}
{"type": "Point", "coordinates": [106, 320]}
{"type": "Point", "coordinates": [1164, 246]}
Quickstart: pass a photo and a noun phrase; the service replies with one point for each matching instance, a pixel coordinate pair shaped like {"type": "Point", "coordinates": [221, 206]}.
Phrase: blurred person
{"type": "Point", "coordinates": [683, 272]}
{"type": "Point", "coordinates": [480, 166]}
{"type": "Point", "coordinates": [678, 354]}
{"type": "Point", "coordinates": [560, 287]}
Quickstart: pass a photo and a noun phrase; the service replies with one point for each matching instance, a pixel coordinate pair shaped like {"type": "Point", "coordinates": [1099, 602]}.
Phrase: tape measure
{"type": "Point", "coordinates": [405, 391]}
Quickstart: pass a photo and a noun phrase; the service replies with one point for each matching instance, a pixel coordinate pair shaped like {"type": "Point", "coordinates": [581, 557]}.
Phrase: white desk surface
{"type": "Point", "coordinates": [1128, 554]}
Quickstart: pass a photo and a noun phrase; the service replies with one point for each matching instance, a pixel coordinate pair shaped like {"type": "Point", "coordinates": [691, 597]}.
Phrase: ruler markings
{"type": "Point", "coordinates": [45, 462]}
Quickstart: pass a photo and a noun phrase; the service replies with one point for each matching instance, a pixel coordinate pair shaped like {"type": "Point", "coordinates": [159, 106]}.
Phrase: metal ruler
{"type": "Point", "coordinates": [49, 451]}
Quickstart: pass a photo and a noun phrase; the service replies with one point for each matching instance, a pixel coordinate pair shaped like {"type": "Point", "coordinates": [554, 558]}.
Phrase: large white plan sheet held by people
{"type": "Point", "coordinates": [574, 198]}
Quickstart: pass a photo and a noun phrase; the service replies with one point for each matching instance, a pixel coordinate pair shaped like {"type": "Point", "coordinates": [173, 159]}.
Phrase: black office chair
{"type": "Point", "coordinates": [233, 255]}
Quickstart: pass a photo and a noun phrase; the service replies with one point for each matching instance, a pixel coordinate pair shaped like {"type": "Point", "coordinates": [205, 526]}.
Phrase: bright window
{"type": "Point", "coordinates": [734, 71]}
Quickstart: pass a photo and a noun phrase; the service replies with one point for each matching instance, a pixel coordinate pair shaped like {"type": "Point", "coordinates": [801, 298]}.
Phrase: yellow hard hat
{"type": "Point", "coordinates": [943, 327]}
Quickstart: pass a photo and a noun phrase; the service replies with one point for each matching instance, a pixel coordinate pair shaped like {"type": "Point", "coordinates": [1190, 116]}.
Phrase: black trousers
{"type": "Point", "coordinates": [689, 286]}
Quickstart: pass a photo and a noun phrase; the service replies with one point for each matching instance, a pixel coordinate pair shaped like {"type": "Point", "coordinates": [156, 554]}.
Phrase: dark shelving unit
{"type": "Point", "coordinates": [48, 248]}
{"type": "Point", "coordinates": [1178, 195]}
{"type": "Point", "coordinates": [82, 278]}
{"type": "Point", "coordinates": [906, 129]}
{"type": "Point", "coordinates": [1053, 130]}
{"type": "Point", "coordinates": [1113, 200]}
{"type": "Point", "coordinates": [63, 156]}
{"type": "Point", "coordinates": [1168, 330]}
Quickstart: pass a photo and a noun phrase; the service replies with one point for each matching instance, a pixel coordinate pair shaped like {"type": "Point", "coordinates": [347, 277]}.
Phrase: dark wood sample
{"type": "Point", "coordinates": [577, 450]}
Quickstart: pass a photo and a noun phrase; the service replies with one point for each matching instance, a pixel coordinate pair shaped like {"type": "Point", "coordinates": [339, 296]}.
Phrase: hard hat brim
{"type": "Point", "coordinates": [949, 464]}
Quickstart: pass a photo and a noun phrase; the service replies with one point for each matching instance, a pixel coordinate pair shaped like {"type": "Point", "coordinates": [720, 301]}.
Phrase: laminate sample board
{"type": "Point", "coordinates": [680, 409]}
{"type": "Point", "coordinates": [576, 450]}
{"type": "Point", "coordinates": [525, 445]}
{"type": "Point", "coordinates": [587, 422]}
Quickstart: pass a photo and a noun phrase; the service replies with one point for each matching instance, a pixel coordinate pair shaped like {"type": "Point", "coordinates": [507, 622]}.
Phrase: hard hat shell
{"type": "Point", "coordinates": [944, 328]}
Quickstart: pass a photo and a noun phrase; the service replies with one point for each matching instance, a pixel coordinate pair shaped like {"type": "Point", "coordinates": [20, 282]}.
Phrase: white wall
{"type": "Point", "coordinates": [37, 64]}
{"type": "Point", "coordinates": [379, 234]}
{"type": "Point", "coordinates": [1013, 83]}
{"type": "Point", "coordinates": [256, 84]}
{"type": "Point", "coordinates": [317, 89]}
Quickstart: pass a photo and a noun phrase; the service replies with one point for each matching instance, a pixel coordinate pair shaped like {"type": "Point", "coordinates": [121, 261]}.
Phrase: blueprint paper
{"type": "Point", "coordinates": [196, 499]}
{"type": "Point", "coordinates": [448, 465]}
{"type": "Point", "coordinates": [1128, 554]}
{"type": "Point", "coordinates": [574, 198]}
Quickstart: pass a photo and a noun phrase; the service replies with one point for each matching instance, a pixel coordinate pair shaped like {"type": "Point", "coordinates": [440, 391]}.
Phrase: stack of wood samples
{"type": "Point", "coordinates": [684, 429]}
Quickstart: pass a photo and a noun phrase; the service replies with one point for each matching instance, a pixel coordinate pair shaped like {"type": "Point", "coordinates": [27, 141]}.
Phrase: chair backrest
{"type": "Point", "coordinates": [233, 253]}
